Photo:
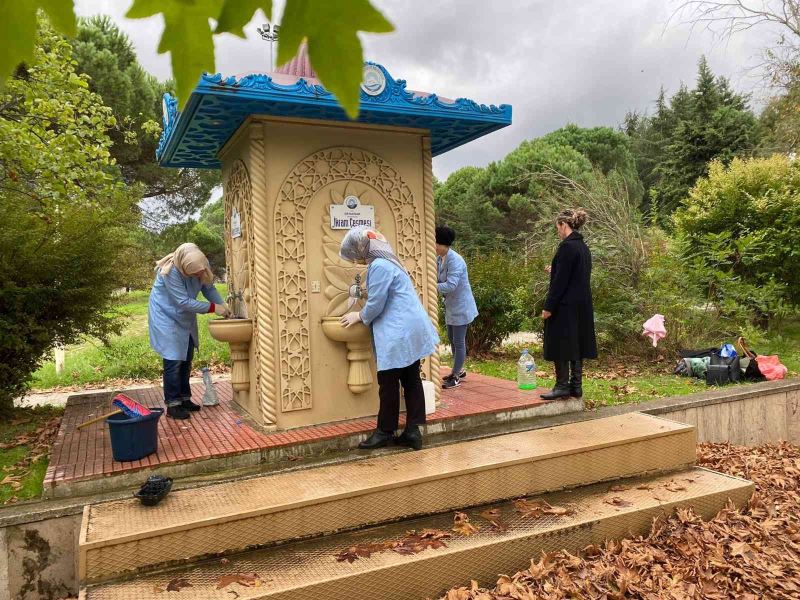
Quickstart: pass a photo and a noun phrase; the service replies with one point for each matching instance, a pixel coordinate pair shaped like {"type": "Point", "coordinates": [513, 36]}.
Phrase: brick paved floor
{"type": "Point", "coordinates": [220, 431]}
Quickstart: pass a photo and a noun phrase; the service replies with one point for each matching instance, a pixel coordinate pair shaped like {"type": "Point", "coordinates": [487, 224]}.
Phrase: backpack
{"type": "Point", "coordinates": [724, 366]}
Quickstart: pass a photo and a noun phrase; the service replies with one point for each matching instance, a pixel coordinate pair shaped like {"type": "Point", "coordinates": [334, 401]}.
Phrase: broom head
{"type": "Point", "coordinates": [129, 406]}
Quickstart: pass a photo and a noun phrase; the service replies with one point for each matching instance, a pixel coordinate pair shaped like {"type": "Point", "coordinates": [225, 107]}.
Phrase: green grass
{"type": "Point", "coordinates": [650, 380]}
{"type": "Point", "coordinates": [597, 392]}
{"type": "Point", "coordinates": [31, 476]}
{"type": "Point", "coordinates": [127, 356]}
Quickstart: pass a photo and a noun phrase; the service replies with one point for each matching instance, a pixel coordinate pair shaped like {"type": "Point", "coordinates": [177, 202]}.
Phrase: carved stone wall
{"type": "Point", "coordinates": [240, 253]}
{"type": "Point", "coordinates": [305, 179]}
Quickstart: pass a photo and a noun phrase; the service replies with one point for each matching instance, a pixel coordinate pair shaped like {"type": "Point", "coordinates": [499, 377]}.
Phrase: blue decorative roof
{"type": "Point", "coordinates": [219, 105]}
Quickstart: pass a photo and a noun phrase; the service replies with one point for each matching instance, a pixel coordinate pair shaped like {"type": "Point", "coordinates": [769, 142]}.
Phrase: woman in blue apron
{"type": "Point", "coordinates": [172, 319]}
{"type": "Point", "coordinates": [459, 303]}
{"type": "Point", "coordinates": [402, 335]}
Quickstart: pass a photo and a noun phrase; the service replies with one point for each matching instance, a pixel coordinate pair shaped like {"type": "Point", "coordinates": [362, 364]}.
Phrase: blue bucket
{"type": "Point", "coordinates": [133, 438]}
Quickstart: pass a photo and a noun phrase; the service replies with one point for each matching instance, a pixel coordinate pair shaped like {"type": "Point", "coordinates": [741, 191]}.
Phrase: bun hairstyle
{"type": "Point", "coordinates": [574, 217]}
{"type": "Point", "coordinates": [445, 235]}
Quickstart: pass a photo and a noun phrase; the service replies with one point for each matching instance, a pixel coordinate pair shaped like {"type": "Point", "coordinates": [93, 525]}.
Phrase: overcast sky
{"type": "Point", "coordinates": [557, 62]}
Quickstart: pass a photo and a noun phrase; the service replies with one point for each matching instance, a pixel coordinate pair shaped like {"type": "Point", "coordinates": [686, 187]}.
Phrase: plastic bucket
{"type": "Point", "coordinates": [133, 438]}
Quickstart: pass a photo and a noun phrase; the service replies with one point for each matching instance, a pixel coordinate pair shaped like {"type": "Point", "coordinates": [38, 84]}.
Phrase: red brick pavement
{"type": "Point", "coordinates": [220, 431]}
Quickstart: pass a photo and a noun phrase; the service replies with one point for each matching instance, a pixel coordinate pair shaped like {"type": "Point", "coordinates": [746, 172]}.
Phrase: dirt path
{"type": "Point", "coordinates": [59, 397]}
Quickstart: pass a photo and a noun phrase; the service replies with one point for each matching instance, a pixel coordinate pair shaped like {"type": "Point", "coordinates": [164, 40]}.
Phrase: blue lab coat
{"type": "Point", "coordinates": [402, 332]}
{"type": "Point", "coordinates": [172, 313]}
{"type": "Point", "coordinates": [459, 303]}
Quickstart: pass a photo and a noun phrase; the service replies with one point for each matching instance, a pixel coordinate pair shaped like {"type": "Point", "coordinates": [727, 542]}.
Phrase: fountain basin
{"type": "Point", "coordinates": [237, 333]}
{"type": "Point", "coordinates": [232, 331]}
{"type": "Point", "coordinates": [333, 328]}
{"type": "Point", "coordinates": [358, 339]}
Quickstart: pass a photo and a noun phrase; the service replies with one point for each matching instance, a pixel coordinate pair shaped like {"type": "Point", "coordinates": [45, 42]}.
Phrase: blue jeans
{"type": "Point", "coordinates": [176, 378]}
{"type": "Point", "coordinates": [457, 334]}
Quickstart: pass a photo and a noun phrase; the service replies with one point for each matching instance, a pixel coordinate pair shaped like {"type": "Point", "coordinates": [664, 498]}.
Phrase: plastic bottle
{"type": "Point", "coordinates": [210, 395]}
{"type": "Point", "coordinates": [526, 371]}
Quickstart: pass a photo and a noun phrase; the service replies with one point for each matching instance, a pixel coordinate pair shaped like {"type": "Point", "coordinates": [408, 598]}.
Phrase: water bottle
{"type": "Point", "coordinates": [526, 371]}
{"type": "Point", "coordinates": [210, 395]}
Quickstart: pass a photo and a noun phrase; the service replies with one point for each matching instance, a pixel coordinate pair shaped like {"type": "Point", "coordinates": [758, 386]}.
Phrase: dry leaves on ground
{"type": "Point", "coordinates": [535, 509]}
{"type": "Point", "coordinates": [39, 441]}
{"type": "Point", "coordinates": [243, 579]}
{"type": "Point", "coordinates": [413, 543]}
{"type": "Point", "coordinates": [747, 554]}
{"type": "Point", "coordinates": [461, 524]}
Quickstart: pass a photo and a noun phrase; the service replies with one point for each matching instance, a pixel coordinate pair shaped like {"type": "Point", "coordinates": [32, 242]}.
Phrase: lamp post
{"type": "Point", "coordinates": [270, 37]}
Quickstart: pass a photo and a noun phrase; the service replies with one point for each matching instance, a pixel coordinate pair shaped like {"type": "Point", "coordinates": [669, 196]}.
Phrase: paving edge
{"type": "Point", "coordinates": [439, 432]}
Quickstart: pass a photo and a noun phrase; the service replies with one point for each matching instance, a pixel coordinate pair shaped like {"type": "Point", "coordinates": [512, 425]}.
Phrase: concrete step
{"type": "Point", "coordinates": [123, 536]}
{"type": "Point", "coordinates": [310, 569]}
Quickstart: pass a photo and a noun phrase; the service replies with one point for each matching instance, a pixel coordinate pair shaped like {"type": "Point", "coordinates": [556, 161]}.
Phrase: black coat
{"type": "Point", "coordinates": [569, 332]}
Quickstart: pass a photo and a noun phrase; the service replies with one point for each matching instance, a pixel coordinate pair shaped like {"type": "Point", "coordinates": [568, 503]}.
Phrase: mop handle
{"type": "Point", "coordinates": [96, 419]}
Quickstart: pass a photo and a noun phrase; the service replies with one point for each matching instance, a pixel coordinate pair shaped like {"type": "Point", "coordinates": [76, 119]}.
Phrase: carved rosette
{"type": "Point", "coordinates": [303, 182]}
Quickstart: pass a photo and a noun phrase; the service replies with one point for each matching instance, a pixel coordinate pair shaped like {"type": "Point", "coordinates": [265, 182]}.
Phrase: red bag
{"type": "Point", "coordinates": [771, 367]}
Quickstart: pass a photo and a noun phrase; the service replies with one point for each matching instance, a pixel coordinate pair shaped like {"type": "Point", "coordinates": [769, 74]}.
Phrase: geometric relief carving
{"type": "Point", "coordinates": [239, 252]}
{"type": "Point", "coordinates": [306, 178]}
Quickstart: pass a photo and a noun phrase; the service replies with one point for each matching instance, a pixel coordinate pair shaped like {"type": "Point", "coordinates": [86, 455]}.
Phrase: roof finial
{"type": "Point", "coordinates": [300, 65]}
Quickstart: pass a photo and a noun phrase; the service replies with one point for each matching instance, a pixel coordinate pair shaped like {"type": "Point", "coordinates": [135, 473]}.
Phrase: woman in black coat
{"type": "Point", "coordinates": [568, 314]}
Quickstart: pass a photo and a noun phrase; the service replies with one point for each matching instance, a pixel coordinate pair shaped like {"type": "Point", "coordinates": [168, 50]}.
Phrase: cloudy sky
{"type": "Point", "coordinates": [557, 62]}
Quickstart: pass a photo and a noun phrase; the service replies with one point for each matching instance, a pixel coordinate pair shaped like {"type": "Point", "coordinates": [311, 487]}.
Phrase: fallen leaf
{"type": "Point", "coordinates": [490, 514]}
{"type": "Point", "coordinates": [462, 526]}
{"type": "Point", "coordinates": [177, 584]}
{"type": "Point", "coordinates": [243, 579]}
{"type": "Point", "coordinates": [741, 549]}
{"type": "Point", "coordinates": [618, 488]}
{"type": "Point", "coordinates": [617, 501]}
{"type": "Point", "coordinates": [348, 555]}
{"type": "Point", "coordinates": [674, 487]}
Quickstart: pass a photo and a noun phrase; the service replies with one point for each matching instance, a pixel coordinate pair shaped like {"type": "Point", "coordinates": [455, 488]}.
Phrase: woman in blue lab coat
{"type": "Point", "coordinates": [402, 335]}
{"type": "Point", "coordinates": [172, 318]}
{"type": "Point", "coordinates": [459, 303]}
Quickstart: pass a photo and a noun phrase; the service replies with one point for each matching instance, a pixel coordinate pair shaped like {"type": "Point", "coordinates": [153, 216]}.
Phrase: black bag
{"type": "Point", "coordinates": [751, 372]}
{"type": "Point", "coordinates": [722, 371]}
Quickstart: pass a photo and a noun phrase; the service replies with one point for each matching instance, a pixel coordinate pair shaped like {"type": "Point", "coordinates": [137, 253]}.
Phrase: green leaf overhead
{"type": "Point", "coordinates": [187, 37]}
{"type": "Point", "coordinates": [237, 13]}
{"type": "Point", "coordinates": [18, 29]}
{"type": "Point", "coordinates": [330, 29]}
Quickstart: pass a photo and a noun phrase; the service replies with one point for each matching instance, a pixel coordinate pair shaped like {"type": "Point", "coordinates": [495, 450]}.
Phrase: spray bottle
{"type": "Point", "coordinates": [210, 395]}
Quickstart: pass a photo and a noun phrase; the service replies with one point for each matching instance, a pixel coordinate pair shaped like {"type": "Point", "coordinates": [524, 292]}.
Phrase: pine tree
{"type": "Point", "coordinates": [675, 145]}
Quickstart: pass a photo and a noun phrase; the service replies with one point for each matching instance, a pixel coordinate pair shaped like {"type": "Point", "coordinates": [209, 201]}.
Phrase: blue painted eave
{"type": "Point", "coordinates": [218, 106]}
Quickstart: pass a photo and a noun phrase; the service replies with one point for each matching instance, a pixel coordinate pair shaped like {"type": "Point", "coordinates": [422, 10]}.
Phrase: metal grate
{"type": "Point", "coordinates": [308, 570]}
{"type": "Point", "coordinates": [123, 536]}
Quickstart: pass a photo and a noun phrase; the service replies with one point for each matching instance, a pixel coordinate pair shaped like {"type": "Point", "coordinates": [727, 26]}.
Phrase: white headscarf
{"type": "Point", "coordinates": [364, 244]}
{"type": "Point", "coordinates": [189, 260]}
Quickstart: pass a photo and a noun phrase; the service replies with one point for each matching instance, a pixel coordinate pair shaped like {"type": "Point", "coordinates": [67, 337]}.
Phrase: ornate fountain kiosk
{"type": "Point", "coordinates": [297, 175]}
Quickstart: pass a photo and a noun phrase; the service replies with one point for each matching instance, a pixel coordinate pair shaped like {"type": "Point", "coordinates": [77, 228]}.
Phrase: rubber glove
{"type": "Point", "coordinates": [350, 318]}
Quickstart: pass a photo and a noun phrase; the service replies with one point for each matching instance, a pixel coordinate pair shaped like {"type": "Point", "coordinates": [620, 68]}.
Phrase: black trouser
{"type": "Point", "coordinates": [176, 378]}
{"type": "Point", "coordinates": [389, 382]}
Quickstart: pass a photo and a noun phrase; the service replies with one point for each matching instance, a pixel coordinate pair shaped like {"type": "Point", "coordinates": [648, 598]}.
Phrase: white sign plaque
{"type": "Point", "coordinates": [351, 213]}
{"type": "Point", "coordinates": [236, 224]}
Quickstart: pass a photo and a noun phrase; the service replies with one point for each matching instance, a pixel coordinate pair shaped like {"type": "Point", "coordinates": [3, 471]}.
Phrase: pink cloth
{"type": "Point", "coordinates": [771, 367]}
{"type": "Point", "coordinates": [654, 329]}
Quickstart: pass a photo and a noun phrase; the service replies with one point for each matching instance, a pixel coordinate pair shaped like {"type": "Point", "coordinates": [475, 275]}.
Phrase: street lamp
{"type": "Point", "coordinates": [270, 37]}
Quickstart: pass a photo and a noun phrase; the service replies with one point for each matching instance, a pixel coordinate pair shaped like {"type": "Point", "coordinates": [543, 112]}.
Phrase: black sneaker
{"type": "Point", "coordinates": [450, 382]}
{"type": "Point", "coordinates": [463, 374]}
{"type": "Point", "coordinates": [187, 404]}
{"type": "Point", "coordinates": [178, 412]}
